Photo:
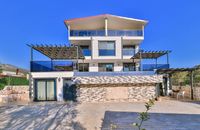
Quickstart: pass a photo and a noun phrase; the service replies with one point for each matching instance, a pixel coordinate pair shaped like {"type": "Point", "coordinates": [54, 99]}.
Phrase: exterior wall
{"type": "Point", "coordinates": [115, 93]}
{"type": "Point", "coordinates": [59, 76]}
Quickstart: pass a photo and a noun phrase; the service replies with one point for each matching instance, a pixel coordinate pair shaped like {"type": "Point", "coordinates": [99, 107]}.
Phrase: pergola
{"type": "Point", "coordinates": [58, 52]}
{"type": "Point", "coordinates": [151, 55]}
{"type": "Point", "coordinates": [170, 71]}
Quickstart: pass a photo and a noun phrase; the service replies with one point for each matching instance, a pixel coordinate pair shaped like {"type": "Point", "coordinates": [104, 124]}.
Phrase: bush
{"type": "Point", "coordinates": [13, 81]}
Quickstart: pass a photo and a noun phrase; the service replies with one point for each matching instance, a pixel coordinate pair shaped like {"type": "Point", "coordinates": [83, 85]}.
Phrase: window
{"type": "Point", "coordinates": [129, 67]}
{"type": "Point", "coordinates": [86, 51]}
{"type": "Point", "coordinates": [83, 67]}
{"type": "Point", "coordinates": [128, 50]}
{"type": "Point", "coordinates": [106, 67]}
{"type": "Point", "coordinates": [106, 48]}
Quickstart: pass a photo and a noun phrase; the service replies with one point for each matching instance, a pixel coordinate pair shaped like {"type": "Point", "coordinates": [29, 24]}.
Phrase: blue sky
{"type": "Point", "coordinates": [173, 25]}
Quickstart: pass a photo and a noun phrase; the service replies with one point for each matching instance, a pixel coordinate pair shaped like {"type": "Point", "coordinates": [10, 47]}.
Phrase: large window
{"type": "Point", "coordinates": [106, 48]}
{"type": "Point", "coordinates": [106, 67]}
{"type": "Point", "coordinates": [129, 67]}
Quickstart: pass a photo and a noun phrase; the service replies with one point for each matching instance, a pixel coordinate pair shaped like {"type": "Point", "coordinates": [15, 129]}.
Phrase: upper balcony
{"type": "Point", "coordinates": [105, 25]}
{"type": "Point", "coordinates": [90, 33]}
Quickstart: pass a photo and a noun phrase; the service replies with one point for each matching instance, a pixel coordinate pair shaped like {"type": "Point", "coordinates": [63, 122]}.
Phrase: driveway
{"type": "Point", "coordinates": [96, 115]}
{"type": "Point", "coordinates": [39, 116]}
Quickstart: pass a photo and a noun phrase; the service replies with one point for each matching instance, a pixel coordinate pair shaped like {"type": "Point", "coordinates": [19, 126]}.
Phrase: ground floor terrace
{"type": "Point", "coordinates": [165, 115]}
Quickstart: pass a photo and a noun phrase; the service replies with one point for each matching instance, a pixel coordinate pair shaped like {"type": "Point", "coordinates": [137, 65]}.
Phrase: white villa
{"type": "Point", "coordinates": [102, 63]}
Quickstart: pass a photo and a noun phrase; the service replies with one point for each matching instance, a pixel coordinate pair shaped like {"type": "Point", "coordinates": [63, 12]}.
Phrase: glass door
{"type": "Point", "coordinates": [50, 90]}
{"type": "Point", "coordinates": [41, 90]}
{"type": "Point", "coordinates": [45, 90]}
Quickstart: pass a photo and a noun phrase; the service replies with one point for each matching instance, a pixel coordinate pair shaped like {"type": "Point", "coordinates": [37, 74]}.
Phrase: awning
{"type": "Point", "coordinates": [61, 52]}
{"type": "Point", "coordinates": [149, 54]}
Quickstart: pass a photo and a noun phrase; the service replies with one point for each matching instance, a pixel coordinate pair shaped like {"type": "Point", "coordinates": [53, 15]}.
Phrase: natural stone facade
{"type": "Point", "coordinates": [14, 93]}
{"type": "Point", "coordinates": [115, 92]}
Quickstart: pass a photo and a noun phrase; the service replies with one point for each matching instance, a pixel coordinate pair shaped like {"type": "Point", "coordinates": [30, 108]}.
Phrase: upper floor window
{"type": "Point", "coordinates": [106, 48]}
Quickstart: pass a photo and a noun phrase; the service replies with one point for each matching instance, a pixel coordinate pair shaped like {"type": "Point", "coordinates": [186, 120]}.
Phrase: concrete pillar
{"type": "Point", "coordinates": [106, 26]}
{"type": "Point", "coordinates": [59, 88]}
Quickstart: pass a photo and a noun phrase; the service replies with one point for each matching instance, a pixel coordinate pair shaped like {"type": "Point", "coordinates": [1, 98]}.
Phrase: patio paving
{"type": "Point", "coordinates": [39, 116]}
{"type": "Point", "coordinates": [157, 121]}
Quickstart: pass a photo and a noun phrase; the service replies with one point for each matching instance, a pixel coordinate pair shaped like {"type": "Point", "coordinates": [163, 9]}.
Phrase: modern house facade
{"type": "Point", "coordinates": [104, 59]}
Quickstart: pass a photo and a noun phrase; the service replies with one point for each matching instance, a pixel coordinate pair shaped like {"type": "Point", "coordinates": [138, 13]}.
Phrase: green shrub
{"type": "Point", "coordinates": [13, 81]}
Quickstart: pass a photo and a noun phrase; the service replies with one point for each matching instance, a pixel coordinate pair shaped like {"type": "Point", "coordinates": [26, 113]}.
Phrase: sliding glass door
{"type": "Point", "coordinates": [45, 90]}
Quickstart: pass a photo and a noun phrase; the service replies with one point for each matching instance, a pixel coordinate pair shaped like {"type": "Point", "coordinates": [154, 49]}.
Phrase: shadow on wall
{"type": "Point", "coordinates": [40, 116]}
{"type": "Point", "coordinates": [70, 92]}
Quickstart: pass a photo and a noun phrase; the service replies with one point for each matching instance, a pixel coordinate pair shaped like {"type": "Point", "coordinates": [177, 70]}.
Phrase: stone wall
{"type": "Point", "coordinates": [115, 92]}
{"type": "Point", "coordinates": [14, 93]}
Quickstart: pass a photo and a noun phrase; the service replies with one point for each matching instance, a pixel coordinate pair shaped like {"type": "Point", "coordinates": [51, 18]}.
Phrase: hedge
{"type": "Point", "coordinates": [13, 81]}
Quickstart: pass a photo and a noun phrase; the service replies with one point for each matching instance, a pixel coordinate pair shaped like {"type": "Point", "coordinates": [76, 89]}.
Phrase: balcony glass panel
{"type": "Point", "coordinates": [125, 32]}
{"type": "Point", "coordinates": [151, 67]}
{"type": "Point", "coordinates": [46, 66]}
{"type": "Point", "coordinates": [83, 33]}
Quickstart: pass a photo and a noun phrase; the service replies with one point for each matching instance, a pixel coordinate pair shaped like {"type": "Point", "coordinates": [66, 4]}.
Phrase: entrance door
{"type": "Point", "coordinates": [45, 90]}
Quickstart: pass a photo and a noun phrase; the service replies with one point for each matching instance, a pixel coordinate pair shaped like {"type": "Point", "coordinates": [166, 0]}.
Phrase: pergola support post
{"type": "Point", "coordinates": [192, 84]}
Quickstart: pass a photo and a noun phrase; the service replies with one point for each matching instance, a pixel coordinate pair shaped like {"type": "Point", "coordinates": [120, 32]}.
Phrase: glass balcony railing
{"type": "Point", "coordinates": [86, 33]}
{"type": "Point", "coordinates": [83, 33]}
{"type": "Point", "coordinates": [152, 67]}
{"type": "Point", "coordinates": [128, 52]}
{"type": "Point", "coordinates": [86, 52]}
{"type": "Point", "coordinates": [47, 66]}
{"type": "Point", "coordinates": [125, 32]}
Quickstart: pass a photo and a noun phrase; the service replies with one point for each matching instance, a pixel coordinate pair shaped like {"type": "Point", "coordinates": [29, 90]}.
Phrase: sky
{"type": "Point", "coordinates": [173, 25]}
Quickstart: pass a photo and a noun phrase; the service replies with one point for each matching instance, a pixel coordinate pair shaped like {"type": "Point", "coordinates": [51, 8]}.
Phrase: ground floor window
{"type": "Point", "coordinates": [45, 89]}
{"type": "Point", "coordinates": [128, 67]}
{"type": "Point", "coordinates": [83, 67]}
{"type": "Point", "coordinates": [106, 67]}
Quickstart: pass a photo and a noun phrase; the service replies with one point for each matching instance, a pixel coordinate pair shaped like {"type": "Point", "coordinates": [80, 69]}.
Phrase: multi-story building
{"type": "Point", "coordinates": [103, 45]}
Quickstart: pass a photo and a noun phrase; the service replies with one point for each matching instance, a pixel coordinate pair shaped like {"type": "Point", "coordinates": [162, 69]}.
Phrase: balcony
{"type": "Point", "coordinates": [48, 66]}
{"type": "Point", "coordinates": [152, 67]}
{"type": "Point", "coordinates": [88, 33]}
{"type": "Point", "coordinates": [128, 52]}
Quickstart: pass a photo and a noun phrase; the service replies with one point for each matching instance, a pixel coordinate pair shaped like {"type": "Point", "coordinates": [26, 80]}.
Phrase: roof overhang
{"type": "Point", "coordinates": [98, 22]}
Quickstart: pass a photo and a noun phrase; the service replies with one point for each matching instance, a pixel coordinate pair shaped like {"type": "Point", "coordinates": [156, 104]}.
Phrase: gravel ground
{"type": "Point", "coordinates": [39, 116]}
